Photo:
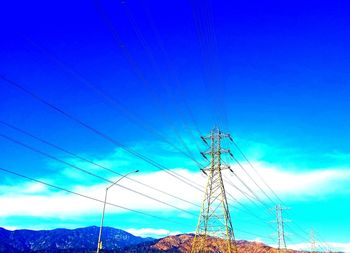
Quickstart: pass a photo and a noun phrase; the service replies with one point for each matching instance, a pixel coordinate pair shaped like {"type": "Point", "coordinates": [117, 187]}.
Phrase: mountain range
{"type": "Point", "coordinates": [84, 240]}
{"type": "Point", "coordinates": [66, 240]}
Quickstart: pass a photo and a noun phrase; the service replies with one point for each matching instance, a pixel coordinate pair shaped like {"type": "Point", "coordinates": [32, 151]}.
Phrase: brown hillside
{"type": "Point", "coordinates": [182, 244]}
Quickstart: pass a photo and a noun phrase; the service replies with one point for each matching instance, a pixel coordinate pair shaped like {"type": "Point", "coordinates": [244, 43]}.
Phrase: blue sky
{"type": "Point", "coordinates": [274, 75]}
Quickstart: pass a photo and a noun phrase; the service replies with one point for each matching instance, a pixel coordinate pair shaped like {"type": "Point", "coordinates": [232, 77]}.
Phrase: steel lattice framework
{"type": "Point", "coordinates": [281, 246]}
{"type": "Point", "coordinates": [214, 229]}
{"type": "Point", "coordinates": [312, 241]}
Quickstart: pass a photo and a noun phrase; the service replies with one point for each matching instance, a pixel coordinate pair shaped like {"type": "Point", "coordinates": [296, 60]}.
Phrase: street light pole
{"type": "Point", "coordinates": [99, 242]}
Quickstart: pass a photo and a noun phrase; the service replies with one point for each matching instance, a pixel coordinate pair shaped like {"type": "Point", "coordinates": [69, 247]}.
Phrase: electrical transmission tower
{"type": "Point", "coordinates": [281, 241]}
{"type": "Point", "coordinates": [214, 230]}
{"type": "Point", "coordinates": [312, 241]}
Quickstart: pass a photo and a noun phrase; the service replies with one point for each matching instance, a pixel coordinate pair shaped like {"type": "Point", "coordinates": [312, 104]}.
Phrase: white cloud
{"type": "Point", "coordinates": [50, 204]}
{"type": "Point", "coordinates": [35, 188]}
{"type": "Point", "coordinates": [344, 247]}
{"type": "Point", "coordinates": [11, 228]}
{"type": "Point", "coordinates": [55, 205]}
{"type": "Point", "coordinates": [258, 239]}
{"type": "Point", "coordinates": [24, 189]}
{"type": "Point", "coordinates": [34, 200]}
{"type": "Point", "coordinates": [294, 184]}
{"type": "Point", "coordinates": [151, 232]}
{"type": "Point", "coordinates": [332, 246]}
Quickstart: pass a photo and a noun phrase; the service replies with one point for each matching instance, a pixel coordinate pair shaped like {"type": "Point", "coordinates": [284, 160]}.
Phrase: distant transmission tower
{"type": "Point", "coordinates": [281, 241]}
{"type": "Point", "coordinates": [214, 229]}
{"type": "Point", "coordinates": [312, 241]}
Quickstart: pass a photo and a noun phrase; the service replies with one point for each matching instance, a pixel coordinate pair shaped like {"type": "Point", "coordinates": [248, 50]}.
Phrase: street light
{"type": "Point", "coordinates": [99, 243]}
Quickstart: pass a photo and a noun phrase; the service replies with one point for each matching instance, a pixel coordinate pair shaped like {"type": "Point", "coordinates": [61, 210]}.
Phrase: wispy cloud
{"type": "Point", "coordinates": [28, 188]}
{"type": "Point", "coordinates": [295, 184]}
{"type": "Point", "coordinates": [334, 246]}
{"type": "Point", "coordinates": [36, 200]}
{"type": "Point", "coordinates": [151, 232]}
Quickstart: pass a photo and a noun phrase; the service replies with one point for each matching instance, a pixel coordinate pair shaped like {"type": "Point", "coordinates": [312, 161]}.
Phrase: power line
{"type": "Point", "coordinates": [115, 103]}
{"type": "Point", "coordinates": [78, 168]}
{"type": "Point", "coordinates": [250, 190]}
{"type": "Point", "coordinates": [54, 107]}
{"type": "Point", "coordinates": [90, 173]}
{"type": "Point", "coordinates": [249, 197]}
{"type": "Point", "coordinates": [90, 161]}
{"type": "Point", "coordinates": [176, 78]}
{"type": "Point", "coordinates": [255, 181]}
{"type": "Point", "coordinates": [243, 208]}
{"type": "Point", "coordinates": [132, 62]}
{"type": "Point", "coordinates": [272, 191]}
{"type": "Point", "coordinates": [152, 162]}
{"type": "Point", "coordinates": [102, 201]}
{"type": "Point", "coordinates": [228, 181]}
{"type": "Point", "coordinates": [101, 134]}
{"type": "Point", "coordinates": [86, 196]}
{"type": "Point", "coordinates": [108, 169]}
{"type": "Point", "coordinates": [256, 171]}
{"type": "Point", "coordinates": [251, 178]}
{"type": "Point", "coordinates": [146, 46]}
{"type": "Point", "coordinates": [130, 115]}
{"type": "Point", "coordinates": [208, 52]}
{"type": "Point", "coordinates": [265, 193]}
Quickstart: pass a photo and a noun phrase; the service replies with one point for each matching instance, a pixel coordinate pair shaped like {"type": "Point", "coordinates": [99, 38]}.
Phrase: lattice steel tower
{"type": "Point", "coordinates": [312, 241]}
{"type": "Point", "coordinates": [281, 241]}
{"type": "Point", "coordinates": [214, 229]}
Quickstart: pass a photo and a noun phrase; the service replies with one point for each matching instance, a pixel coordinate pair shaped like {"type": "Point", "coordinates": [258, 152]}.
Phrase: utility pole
{"type": "Point", "coordinates": [281, 241]}
{"type": "Point", "coordinates": [214, 223]}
